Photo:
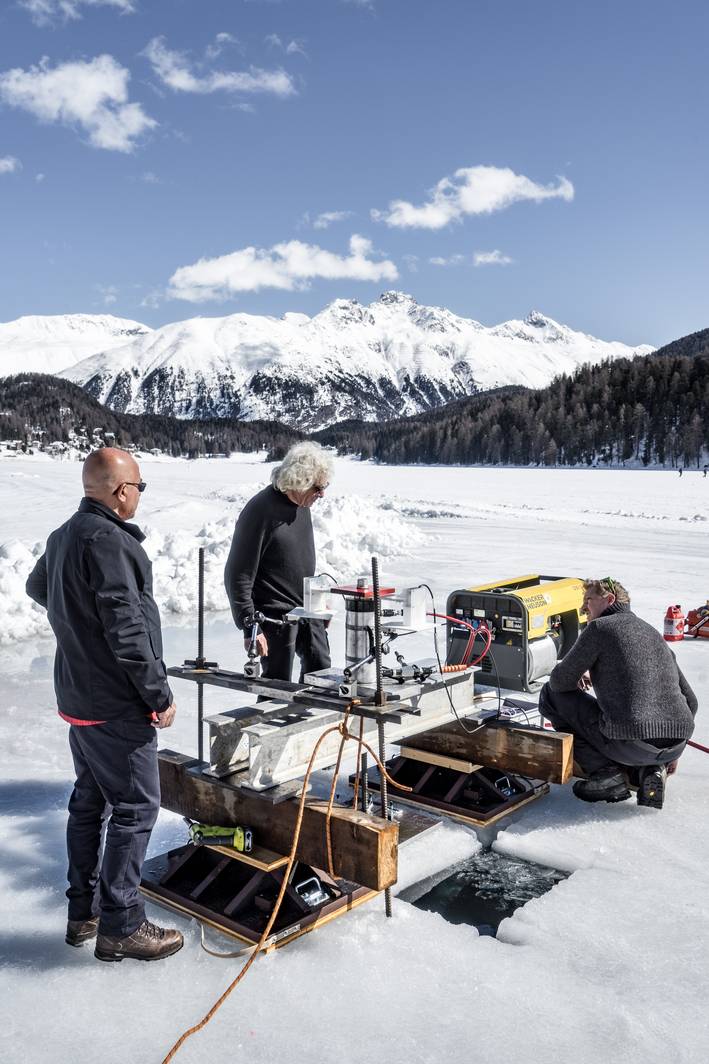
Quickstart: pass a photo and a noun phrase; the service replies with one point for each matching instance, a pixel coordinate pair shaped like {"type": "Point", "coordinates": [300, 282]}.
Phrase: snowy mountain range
{"type": "Point", "coordinates": [51, 343]}
{"type": "Point", "coordinates": [392, 358]}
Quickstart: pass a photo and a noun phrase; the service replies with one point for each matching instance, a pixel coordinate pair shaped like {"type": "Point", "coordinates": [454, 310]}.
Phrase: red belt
{"type": "Point", "coordinates": [77, 722]}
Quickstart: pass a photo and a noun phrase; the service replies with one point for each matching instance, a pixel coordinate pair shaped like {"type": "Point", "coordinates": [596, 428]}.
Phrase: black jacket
{"type": "Point", "coordinates": [272, 550]}
{"type": "Point", "coordinates": [95, 581]}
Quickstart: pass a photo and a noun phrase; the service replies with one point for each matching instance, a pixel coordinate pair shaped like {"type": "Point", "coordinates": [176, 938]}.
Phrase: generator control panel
{"type": "Point", "coordinates": [533, 620]}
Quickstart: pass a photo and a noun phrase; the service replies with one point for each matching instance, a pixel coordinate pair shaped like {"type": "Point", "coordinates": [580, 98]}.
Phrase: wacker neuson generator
{"type": "Point", "coordinates": [534, 620]}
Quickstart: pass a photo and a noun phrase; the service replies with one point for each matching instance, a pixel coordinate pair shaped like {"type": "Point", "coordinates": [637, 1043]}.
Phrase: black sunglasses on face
{"type": "Point", "coordinates": [140, 485]}
{"type": "Point", "coordinates": [320, 488]}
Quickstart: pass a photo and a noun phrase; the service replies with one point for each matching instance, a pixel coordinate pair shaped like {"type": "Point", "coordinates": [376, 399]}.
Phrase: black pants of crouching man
{"type": "Point", "coordinates": [307, 639]}
{"type": "Point", "coordinates": [579, 713]}
{"type": "Point", "coordinates": [117, 783]}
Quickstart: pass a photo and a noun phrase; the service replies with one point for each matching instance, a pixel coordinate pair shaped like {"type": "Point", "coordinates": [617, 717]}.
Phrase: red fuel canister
{"type": "Point", "coordinates": [674, 624]}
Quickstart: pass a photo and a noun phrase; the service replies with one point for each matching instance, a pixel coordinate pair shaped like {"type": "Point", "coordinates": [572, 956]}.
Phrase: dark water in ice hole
{"type": "Point", "coordinates": [487, 888]}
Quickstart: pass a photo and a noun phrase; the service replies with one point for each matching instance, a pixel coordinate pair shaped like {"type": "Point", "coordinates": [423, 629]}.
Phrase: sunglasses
{"type": "Point", "coordinates": [320, 488]}
{"type": "Point", "coordinates": [140, 485]}
{"type": "Point", "coordinates": [609, 583]}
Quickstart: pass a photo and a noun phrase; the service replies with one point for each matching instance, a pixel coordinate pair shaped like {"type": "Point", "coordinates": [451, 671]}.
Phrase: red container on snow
{"type": "Point", "coordinates": [674, 624]}
{"type": "Point", "coordinates": [698, 622]}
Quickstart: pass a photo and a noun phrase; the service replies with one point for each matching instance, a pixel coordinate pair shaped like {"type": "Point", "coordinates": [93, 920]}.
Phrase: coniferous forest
{"type": "Point", "coordinates": [647, 411]}
{"type": "Point", "coordinates": [652, 410]}
{"type": "Point", "coordinates": [37, 406]}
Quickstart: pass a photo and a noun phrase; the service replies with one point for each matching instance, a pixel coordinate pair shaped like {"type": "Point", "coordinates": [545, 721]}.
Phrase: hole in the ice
{"type": "Point", "coordinates": [486, 888]}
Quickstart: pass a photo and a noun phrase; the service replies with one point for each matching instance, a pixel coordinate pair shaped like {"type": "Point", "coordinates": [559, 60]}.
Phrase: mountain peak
{"type": "Point", "coordinates": [387, 359]}
{"type": "Point", "coordinates": [537, 320]}
{"type": "Point", "coordinates": [392, 297]}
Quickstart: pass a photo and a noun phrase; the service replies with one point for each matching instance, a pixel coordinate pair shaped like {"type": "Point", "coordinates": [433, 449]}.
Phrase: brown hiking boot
{"type": "Point", "coordinates": [80, 931]}
{"type": "Point", "coordinates": [148, 943]}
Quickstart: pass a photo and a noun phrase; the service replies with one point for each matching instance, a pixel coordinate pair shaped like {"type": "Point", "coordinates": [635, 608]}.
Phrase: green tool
{"type": "Point", "coordinates": [238, 838]}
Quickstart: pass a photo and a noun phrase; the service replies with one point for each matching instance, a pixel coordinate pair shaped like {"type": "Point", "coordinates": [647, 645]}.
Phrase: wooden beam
{"type": "Point", "coordinates": [541, 754]}
{"type": "Point", "coordinates": [364, 847]}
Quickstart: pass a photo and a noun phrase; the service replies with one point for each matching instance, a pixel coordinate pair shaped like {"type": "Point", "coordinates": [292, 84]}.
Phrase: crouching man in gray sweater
{"type": "Point", "coordinates": [643, 712]}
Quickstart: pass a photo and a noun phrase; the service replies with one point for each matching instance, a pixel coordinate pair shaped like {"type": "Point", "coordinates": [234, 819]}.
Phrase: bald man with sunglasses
{"type": "Point", "coordinates": [95, 581]}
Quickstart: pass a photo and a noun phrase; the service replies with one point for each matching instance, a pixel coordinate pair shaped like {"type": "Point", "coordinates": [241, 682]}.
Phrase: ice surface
{"type": "Point", "coordinates": [608, 966]}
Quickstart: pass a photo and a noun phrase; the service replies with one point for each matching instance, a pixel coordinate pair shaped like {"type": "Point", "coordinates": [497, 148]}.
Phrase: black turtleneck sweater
{"type": "Point", "coordinates": [272, 550]}
{"type": "Point", "coordinates": [641, 691]}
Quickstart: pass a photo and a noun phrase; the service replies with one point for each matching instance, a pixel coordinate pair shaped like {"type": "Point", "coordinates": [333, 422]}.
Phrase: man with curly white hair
{"type": "Point", "coordinates": [272, 550]}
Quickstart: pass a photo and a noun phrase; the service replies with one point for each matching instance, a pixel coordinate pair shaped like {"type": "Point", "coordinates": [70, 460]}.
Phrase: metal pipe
{"type": "Point", "coordinates": [379, 700]}
{"type": "Point", "coordinates": [200, 721]}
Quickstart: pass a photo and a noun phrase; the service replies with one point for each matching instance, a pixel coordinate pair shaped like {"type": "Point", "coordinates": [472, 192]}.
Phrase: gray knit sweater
{"type": "Point", "coordinates": [641, 691]}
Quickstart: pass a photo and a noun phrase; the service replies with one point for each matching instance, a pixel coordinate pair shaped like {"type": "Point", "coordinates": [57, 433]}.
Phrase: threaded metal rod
{"type": "Point", "coordinates": [379, 700]}
{"type": "Point", "coordinates": [384, 792]}
{"type": "Point", "coordinates": [379, 697]}
{"type": "Point", "coordinates": [199, 663]}
{"type": "Point", "coordinates": [200, 608]}
{"type": "Point", "coordinates": [364, 773]}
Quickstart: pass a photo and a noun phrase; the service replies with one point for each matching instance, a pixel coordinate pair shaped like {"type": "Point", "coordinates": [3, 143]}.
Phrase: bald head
{"type": "Point", "coordinates": [109, 475]}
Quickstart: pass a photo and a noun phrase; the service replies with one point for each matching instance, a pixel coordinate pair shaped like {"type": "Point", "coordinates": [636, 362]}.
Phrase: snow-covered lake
{"type": "Point", "coordinates": [610, 966]}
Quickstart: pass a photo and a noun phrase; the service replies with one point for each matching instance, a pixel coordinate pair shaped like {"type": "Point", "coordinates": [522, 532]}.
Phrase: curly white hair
{"type": "Point", "coordinates": [304, 465]}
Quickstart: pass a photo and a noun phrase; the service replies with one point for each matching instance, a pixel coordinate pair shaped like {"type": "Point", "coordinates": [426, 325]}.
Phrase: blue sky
{"type": "Point", "coordinates": [161, 159]}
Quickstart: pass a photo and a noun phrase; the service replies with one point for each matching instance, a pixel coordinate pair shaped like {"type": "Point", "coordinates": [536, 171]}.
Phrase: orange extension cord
{"type": "Point", "coordinates": [346, 734]}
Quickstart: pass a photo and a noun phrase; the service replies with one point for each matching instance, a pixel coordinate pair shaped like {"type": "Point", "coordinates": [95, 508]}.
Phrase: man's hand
{"type": "Point", "coordinates": [585, 682]}
{"type": "Point", "coordinates": [165, 718]}
{"type": "Point", "coordinates": [261, 645]}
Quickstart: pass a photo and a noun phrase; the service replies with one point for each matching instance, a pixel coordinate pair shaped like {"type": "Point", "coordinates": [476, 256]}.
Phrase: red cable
{"type": "Point", "coordinates": [458, 620]}
{"type": "Point", "coordinates": [698, 746]}
{"type": "Point", "coordinates": [486, 632]}
{"type": "Point", "coordinates": [471, 639]}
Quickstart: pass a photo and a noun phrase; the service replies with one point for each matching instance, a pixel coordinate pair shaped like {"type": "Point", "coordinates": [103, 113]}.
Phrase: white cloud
{"type": "Point", "coordinates": [220, 42]}
{"type": "Point", "coordinates": [471, 190]}
{"type": "Point", "coordinates": [91, 95]}
{"type": "Point", "coordinates": [175, 70]}
{"type": "Point", "coordinates": [9, 164]}
{"type": "Point", "coordinates": [39, 178]}
{"type": "Point", "coordinates": [491, 258]}
{"type": "Point", "coordinates": [150, 178]}
{"type": "Point", "coordinates": [108, 293]}
{"type": "Point", "coordinates": [412, 263]}
{"type": "Point", "coordinates": [153, 299]}
{"type": "Point", "coordinates": [44, 12]}
{"type": "Point", "coordinates": [324, 220]}
{"type": "Point", "coordinates": [452, 260]}
{"type": "Point", "coordinates": [291, 266]}
{"type": "Point", "coordinates": [294, 47]}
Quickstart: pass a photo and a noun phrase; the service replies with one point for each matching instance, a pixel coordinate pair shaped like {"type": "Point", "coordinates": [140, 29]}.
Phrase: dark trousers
{"type": "Point", "coordinates": [579, 713]}
{"type": "Point", "coordinates": [307, 639]}
{"type": "Point", "coordinates": [117, 783]}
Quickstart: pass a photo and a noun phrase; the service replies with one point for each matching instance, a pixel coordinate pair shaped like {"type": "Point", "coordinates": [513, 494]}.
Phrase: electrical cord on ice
{"type": "Point", "coordinates": [255, 950]}
{"type": "Point", "coordinates": [469, 731]}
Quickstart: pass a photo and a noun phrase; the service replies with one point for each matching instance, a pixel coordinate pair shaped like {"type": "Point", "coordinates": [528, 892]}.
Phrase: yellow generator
{"type": "Point", "coordinates": [534, 620]}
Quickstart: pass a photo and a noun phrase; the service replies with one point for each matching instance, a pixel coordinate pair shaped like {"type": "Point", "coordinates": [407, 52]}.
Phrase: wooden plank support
{"type": "Point", "coordinates": [541, 754]}
{"type": "Point", "coordinates": [364, 847]}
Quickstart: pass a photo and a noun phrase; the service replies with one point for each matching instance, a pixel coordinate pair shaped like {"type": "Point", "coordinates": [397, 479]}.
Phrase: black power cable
{"type": "Point", "coordinates": [469, 731]}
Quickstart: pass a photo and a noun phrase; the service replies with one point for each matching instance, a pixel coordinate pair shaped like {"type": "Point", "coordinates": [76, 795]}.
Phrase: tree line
{"type": "Point", "coordinates": [652, 410]}
{"type": "Point", "coordinates": [649, 410]}
{"type": "Point", "coordinates": [38, 407]}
